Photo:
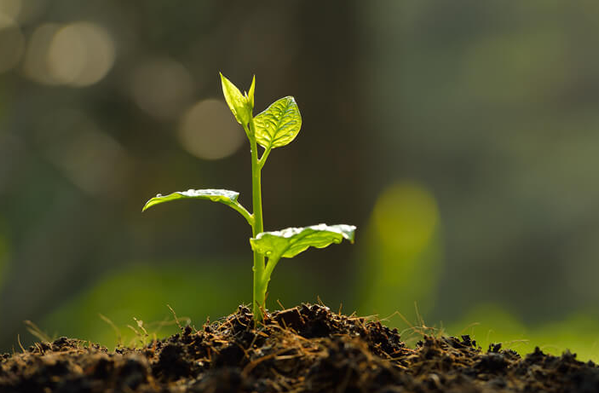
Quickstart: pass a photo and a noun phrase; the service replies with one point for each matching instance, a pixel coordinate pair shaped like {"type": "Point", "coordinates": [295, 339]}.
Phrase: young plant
{"type": "Point", "coordinates": [276, 127]}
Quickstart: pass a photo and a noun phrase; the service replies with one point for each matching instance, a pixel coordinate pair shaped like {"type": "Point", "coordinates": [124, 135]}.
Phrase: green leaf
{"type": "Point", "coordinates": [240, 105]}
{"type": "Point", "coordinates": [279, 124]}
{"type": "Point", "coordinates": [250, 95]}
{"type": "Point", "coordinates": [289, 242]}
{"type": "Point", "coordinates": [225, 197]}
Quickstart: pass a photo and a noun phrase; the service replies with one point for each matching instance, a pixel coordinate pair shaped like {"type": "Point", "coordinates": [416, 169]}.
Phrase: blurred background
{"type": "Point", "coordinates": [462, 138]}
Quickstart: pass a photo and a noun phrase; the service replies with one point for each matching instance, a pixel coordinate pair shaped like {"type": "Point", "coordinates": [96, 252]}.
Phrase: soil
{"type": "Point", "coordinates": [302, 349]}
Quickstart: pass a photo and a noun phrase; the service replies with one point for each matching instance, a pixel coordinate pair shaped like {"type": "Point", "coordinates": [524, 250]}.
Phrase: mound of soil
{"type": "Point", "coordinates": [302, 349]}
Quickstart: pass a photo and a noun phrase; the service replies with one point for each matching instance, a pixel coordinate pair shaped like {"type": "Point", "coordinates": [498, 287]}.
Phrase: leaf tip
{"type": "Point", "coordinates": [250, 95]}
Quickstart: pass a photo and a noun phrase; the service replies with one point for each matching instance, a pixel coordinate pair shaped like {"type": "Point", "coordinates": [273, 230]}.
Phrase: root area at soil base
{"type": "Point", "coordinates": [302, 349]}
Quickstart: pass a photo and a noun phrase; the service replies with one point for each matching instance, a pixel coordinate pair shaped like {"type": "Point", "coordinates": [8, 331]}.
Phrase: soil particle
{"type": "Point", "coordinates": [302, 349]}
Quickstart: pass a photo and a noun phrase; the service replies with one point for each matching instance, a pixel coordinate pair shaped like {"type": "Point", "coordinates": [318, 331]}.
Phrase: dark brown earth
{"type": "Point", "coordinates": [303, 349]}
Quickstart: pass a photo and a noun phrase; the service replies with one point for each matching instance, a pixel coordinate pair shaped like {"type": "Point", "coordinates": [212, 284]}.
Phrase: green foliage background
{"type": "Point", "coordinates": [460, 137]}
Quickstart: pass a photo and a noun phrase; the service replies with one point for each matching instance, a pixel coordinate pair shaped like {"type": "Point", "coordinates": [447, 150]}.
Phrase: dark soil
{"type": "Point", "coordinates": [303, 349]}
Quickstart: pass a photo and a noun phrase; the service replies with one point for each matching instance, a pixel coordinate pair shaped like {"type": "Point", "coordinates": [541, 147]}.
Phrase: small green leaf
{"type": "Point", "coordinates": [240, 105]}
{"type": "Point", "coordinates": [225, 197]}
{"type": "Point", "coordinates": [250, 95]}
{"type": "Point", "coordinates": [279, 124]}
{"type": "Point", "coordinates": [289, 242]}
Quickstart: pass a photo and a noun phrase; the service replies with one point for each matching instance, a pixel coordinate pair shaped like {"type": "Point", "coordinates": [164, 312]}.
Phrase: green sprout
{"type": "Point", "coordinates": [276, 126]}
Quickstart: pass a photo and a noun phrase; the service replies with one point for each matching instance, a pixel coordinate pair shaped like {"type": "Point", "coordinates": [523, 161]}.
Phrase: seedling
{"type": "Point", "coordinates": [276, 127]}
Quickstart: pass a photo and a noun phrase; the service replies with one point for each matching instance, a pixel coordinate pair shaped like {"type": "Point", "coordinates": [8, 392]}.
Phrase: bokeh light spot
{"type": "Point", "coordinates": [405, 217]}
{"type": "Point", "coordinates": [91, 159]}
{"type": "Point", "coordinates": [12, 43]}
{"type": "Point", "coordinates": [35, 66]}
{"type": "Point", "coordinates": [161, 87]}
{"type": "Point", "coordinates": [80, 54]}
{"type": "Point", "coordinates": [209, 131]}
{"type": "Point", "coordinates": [10, 8]}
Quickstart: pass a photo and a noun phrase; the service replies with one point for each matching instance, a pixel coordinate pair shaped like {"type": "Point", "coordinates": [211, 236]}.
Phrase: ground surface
{"type": "Point", "coordinates": [303, 349]}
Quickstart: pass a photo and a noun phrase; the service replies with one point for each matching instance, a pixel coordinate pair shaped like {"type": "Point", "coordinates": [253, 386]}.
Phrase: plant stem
{"type": "Point", "coordinates": [259, 290]}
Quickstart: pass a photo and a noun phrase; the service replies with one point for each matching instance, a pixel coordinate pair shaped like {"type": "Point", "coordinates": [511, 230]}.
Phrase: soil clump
{"type": "Point", "coordinates": [303, 349]}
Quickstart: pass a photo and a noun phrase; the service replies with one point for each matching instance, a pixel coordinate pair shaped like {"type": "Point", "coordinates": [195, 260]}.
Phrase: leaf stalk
{"type": "Point", "coordinates": [265, 155]}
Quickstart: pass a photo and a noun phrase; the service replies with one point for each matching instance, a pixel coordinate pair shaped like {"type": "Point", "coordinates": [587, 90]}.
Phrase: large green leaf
{"type": "Point", "coordinates": [241, 105]}
{"type": "Point", "coordinates": [289, 242]}
{"type": "Point", "coordinates": [225, 197]}
{"type": "Point", "coordinates": [279, 124]}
